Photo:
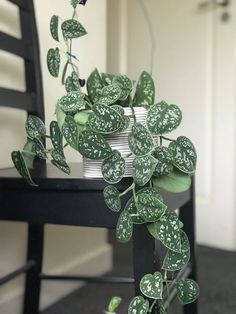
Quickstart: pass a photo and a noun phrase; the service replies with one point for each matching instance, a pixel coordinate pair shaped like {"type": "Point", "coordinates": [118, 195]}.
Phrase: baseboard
{"type": "Point", "coordinates": [97, 262]}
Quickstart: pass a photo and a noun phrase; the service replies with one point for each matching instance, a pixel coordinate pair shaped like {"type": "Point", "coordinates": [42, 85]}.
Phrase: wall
{"type": "Point", "coordinates": [68, 249]}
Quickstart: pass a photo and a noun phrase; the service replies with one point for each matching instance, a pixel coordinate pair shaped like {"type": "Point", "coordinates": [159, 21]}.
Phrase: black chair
{"type": "Point", "coordinates": [48, 204]}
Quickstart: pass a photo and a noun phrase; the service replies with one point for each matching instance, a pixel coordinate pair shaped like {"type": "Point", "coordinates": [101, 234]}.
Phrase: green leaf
{"type": "Point", "coordinates": [138, 305]}
{"type": "Point", "coordinates": [114, 303]}
{"type": "Point", "coordinates": [94, 86]}
{"type": "Point", "coordinates": [112, 198]}
{"type": "Point", "coordinates": [72, 102]}
{"type": "Point", "coordinates": [150, 205]}
{"type": "Point", "coordinates": [164, 161]}
{"type": "Point", "coordinates": [72, 29]}
{"type": "Point", "coordinates": [174, 182]}
{"type": "Point", "coordinates": [140, 140]}
{"type": "Point", "coordinates": [143, 168]}
{"type": "Point", "coordinates": [53, 61]}
{"type": "Point", "coordinates": [124, 228]}
{"type": "Point", "coordinates": [60, 114]}
{"type": "Point", "coordinates": [131, 208]}
{"type": "Point", "coordinates": [107, 78]}
{"type": "Point", "coordinates": [124, 124]}
{"type": "Point", "coordinates": [119, 109]}
{"type": "Point", "coordinates": [60, 162]}
{"type": "Point", "coordinates": [28, 154]}
{"type": "Point", "coordinates": [74, 3]}
{"type": "Point", "coordinates": [163, 118]}
{"type": "Point", "coordinates": [145, 91]}
{"type": "Point", "coordinates": [70, 132]}
{"type": "Point", "coordinates": [81, 118]}
{"type": "Point", "coordinates": [125, 85]}
{"type": "Point", "coordinates": [187, 291]}
{"type": "Point", "coordinates": [21, 167]}
{"type": "Point", "coordinates": [35, 127]}
{"type": "Point", "coordinates": [39, 149]}
{"type": "Point", "coordinates": [184, 153]}
{"type": "Point", "coordinates": [56, 137]}
{"type": "Point", "coordinates": [152, 285]}
{"type": "Point", "coordinates": [72, 83]}
{"type": "Point", "coordinates": [113, 168]}
{"type": "Point", "coordinates": [54, 27]}
{"type": "Point", "coordinates": [152, 230]}
{"type": "Point", "coordinates": [104, 119]}
{"type": "Point", "coordinates": [109, 94]}
{"type": "Point", "coordinates": [93, 146]}
{"type": "Point", "coordinates": [176, 261]}
{"type": "Point", "coordinates": [168, 231]}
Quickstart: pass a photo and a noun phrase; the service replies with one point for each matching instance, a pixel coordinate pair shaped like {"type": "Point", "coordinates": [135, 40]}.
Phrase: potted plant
{"type": "Point", "coordinates": [118, 125]}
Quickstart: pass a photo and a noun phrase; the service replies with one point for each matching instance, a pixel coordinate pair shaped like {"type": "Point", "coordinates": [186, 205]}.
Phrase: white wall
{"type": "Point", "coordinates": [67, 248]}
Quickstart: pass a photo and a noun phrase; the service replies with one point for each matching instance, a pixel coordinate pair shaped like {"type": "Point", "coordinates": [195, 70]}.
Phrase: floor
{"type": "Point", "coordinates": [217, 280]}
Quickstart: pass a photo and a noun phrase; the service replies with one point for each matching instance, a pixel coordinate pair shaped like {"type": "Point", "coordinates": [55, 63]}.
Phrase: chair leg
{"type": "Point", "coordinates": [187, 216]}
{"type": "Point", "coordinates": [33, 282]}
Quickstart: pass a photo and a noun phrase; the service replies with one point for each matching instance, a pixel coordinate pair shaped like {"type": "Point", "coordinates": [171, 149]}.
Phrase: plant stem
{"type": "Point", "coordinates": [151, 307]}
{"type": "Point", "coordinates": [166, 138]}
{"type": "Point", "coordinates": [167, 288]}
{"type": "Point", "coordinates": [128, 155]}
{"type": "Point", "coordinates": [128, 189]}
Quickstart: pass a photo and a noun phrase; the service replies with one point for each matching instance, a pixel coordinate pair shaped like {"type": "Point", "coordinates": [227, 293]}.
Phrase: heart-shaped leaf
{"type": "Point", "coordinates": [81, 118]}
{"type": "Point", "coordinates": [174, 182]}
{"type": "Point", "coordinates": [145, 91]}
{"type": "Point", "coordinates": [114, 303]}
{"type": "Point", "coordinates": [138, 305]}
{"type": "Point", "coordinates": [54, 27]}
{"type": "Point", "coordinates": [110, 94]}
{"type": "Point", "coordinates": [164, 161]}
{"type": "Point", "coordinates": [56, 138]}
{"type": "Point", "coordinates": [53, 61]}
{"type": "Point", "coordinates": [112, 198]}
{"type": "Point", "coordinates": [124, 228]}
{"type": "Point", "coordinates": [143, 168]}
{"type": "Point", "coordinates": [60, 162]}
{"type": "Point", "coordinates": [124, 124]}
{"type": "Point", "coordinates": [93, 146]}
{"type": "Point", "coordinates": [72, 83]}
{"type": "Point", "coordinates": [104, 119]}
{"type": "Point", "coordinates": [72, 29]}
{"type": "Point", "coordinates": [131, 208]}
{"type": "Point", "coordinates": [39, 149]}
{"type": "Point", "coordinates": [176, 261]}
{"type": "Point", "coordinates": [21, 167]}
{"type": "Point", "coordinates": [113, 168]}
{"type": "Point", "coordinates": [168, 231]}
{"type": "Point", "coordinates": [94, 86]}
{"type": "Point", "coordinates": [70, 132]}
{"type": "Point", "coordinates": [35, 127]}
{"type": "Point", "coordinates": [72, 102]}
{"type": "Point", "coordinates": [125, 85]}
{"type": "Point", "coordinates": [150, 205]}
{"type": "Point", "coordinates": [163, 118]}
{"type": "Point", "coordinates": [152, 285]}
{"type": "Point", "coordinates": [140, 140]}
{"type": "Point", "coordinates": [185, 156]}
{"type": "Point", "coordinates": [119, 109]}
{"type": "Point", "coordinates": [187, 291]}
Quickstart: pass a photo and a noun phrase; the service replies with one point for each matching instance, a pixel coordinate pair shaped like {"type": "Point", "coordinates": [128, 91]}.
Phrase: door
{"type": "Point", "coordinates": [193, 66]}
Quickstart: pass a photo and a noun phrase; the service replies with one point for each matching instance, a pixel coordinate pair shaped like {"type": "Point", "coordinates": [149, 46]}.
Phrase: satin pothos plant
{"type": "Point", "coordinates": [83, 118]}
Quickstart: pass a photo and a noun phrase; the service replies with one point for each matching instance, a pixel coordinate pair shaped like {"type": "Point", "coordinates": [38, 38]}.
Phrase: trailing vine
{"type": "Point", "coordinates": [159, 162]}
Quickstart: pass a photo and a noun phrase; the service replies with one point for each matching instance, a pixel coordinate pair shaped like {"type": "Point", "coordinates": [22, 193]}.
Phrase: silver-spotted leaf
{"type": "Point", "coordinates": [39, 149]}
{"type": "Point", "coordinates": [72, 82]}
{"type": "Point", "coordinates": [104, 119]}
{"type": "Point", "coordinates": [113, 168]}
{"type": "Point", "coordinates": [54, 27]}
{"type": "Point", "coordinates": [70, 132]}
{"type": "Point", "coordinates": [93, 146]}
{"type": "Point", "coordinates": [138, 305]}
{"type": "Point", "coordinates": [107, 78]}
{"type": "Point", "coordinates": [150, 205]}
{"type": "Point", "coordinates": [125, 84]}
{"type": "Point", "coordinates": [131, 208]}
{"type": "Point", "coordinates": [21, 167]}
{"type": "Point", "coordinates": [60, 163]}
{"type": "Point", "coordinates": [56, 137]}
{"type": "Point", "coordinates": [72, 29]}
{"type": "Point", "coordinates": [187, 291]}
{"type": "Point", "coordinates": [119, 109]}
{"type": "Point", "coordinates": [53, 61]}
{"type": "Point", "coordinates": [152, 285]}
{"type": "Point", "coordinates": [143, 168]}
{"type": "Point", "coordinates": [176, 261]}
{"type": "Point", "coordinates": [124, 124]}
{"type": "Point", "coordinates": [184, 153]}
{"type": "Point", "coordinates": [163, 118]}
{"type": "Point", "coordinates": [110, 94]}
{"type": "Point", "coordinates": [168, 231]}
{"type": "Point", "coordinates": [112, 198]}
{"type": "Point", "coordinates": [145, 91]}
{"type": "Point", "coordinates": [94, 86]}
{"type": "Point", "coordinates": [124, 228]}
{"type": "Point", "coordinates": [140, 140]}
{"type": "Point", "coordinates": [60, 115]}
{"type": "Point", "coordinates": [164, 161]}
{"type": "Point", "coordinates": [175, 182]}
{"type": "Point", "coordinates": [72, 102]}
{"type": "Point", "coordinates": [35, 127]}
